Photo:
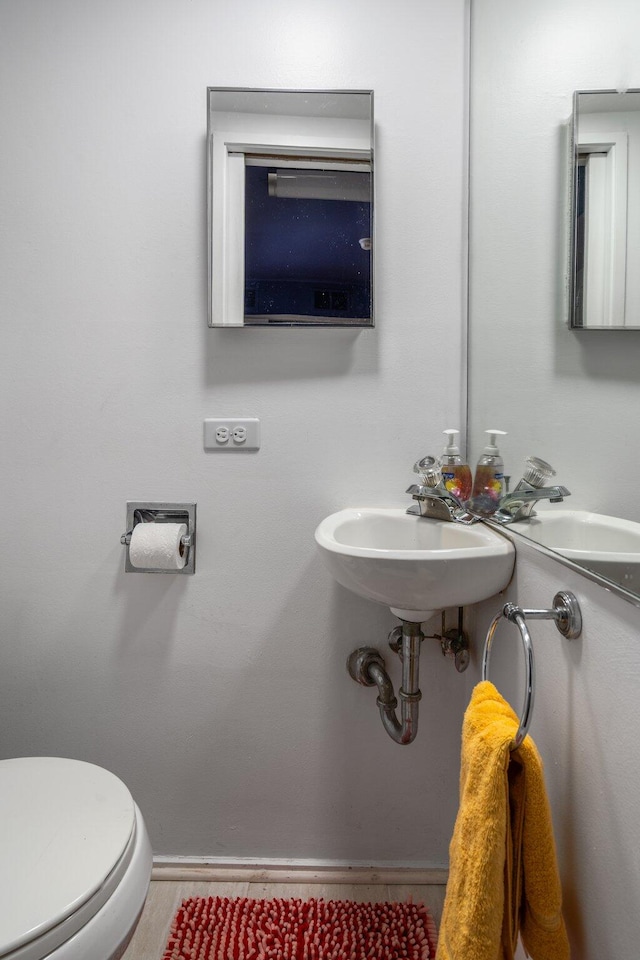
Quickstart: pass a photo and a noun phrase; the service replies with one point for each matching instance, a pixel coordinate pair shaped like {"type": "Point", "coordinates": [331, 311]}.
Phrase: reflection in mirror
{"type": "Point", "coordinates": [606, 210]}
{"type": "Point", "coordinates": [561, 392]}
{"type": "Point", "coordinates": [607, 546]}
{"type": "Point", "coordinates": [290, 207]}
{"type": "Point", "coordinates": [301, 225]}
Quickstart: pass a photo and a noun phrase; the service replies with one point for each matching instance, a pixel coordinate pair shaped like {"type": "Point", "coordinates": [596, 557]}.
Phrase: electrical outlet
{"type": "Point", "coordinates": [237, 433]}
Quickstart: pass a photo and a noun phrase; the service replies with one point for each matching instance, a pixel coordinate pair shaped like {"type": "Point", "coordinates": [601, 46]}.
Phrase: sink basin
{"type": "Point", "coordinates": [414, 566]}
{"type": "Point", "coordinates": [607, 545]}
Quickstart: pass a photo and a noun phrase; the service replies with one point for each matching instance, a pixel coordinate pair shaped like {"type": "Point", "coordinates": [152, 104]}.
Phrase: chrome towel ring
{"type": "Point", "coordinates": [565, 612]}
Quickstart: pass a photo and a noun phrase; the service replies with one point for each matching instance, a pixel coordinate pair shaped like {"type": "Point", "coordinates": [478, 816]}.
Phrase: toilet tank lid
{"type": "Point", "coordinates": [64, 825]}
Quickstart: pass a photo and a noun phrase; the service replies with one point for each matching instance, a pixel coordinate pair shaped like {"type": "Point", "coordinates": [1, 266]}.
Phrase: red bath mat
{"type": "Point", "coordinates": [217, 928]}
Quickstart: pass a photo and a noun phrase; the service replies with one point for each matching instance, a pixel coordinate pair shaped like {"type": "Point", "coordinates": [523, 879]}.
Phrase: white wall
{"type": "Point", "coordinates": [567, 396]}
{"type": "Point", "coordinates": [221, 699]}
{"type": "Point", "coordinates": [586, 724]}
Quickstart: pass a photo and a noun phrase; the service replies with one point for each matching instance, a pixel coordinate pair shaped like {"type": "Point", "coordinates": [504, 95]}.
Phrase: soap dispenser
{"type": "Point", "coordinates": [488, 483]}
{"type": "Point", "coordinates": [456, 474]}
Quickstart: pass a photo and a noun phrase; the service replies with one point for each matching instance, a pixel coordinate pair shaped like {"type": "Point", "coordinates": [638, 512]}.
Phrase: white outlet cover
{"type": "Point", "coordinates": [250, 424]}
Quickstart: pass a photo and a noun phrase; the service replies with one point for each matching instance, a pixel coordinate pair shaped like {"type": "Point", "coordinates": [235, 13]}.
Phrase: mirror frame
{"type": "Point", "coordinates": [225, 190]}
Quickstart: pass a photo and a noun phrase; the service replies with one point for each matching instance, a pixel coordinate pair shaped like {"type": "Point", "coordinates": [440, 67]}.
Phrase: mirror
{"type": "Point", "coordinates": [605, 211]}
{"type": "Point", "coordinates": [564, 394]}
{"type": "Point", "coordinates": [290, 208]}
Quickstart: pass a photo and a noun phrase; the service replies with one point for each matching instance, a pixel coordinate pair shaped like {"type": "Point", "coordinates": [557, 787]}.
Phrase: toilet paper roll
{"type": "Point", "coordinates": [157, 546]}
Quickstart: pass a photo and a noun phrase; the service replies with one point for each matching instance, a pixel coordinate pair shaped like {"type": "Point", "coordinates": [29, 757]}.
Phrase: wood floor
{"type": "Point", "coordinates": [165, 897]}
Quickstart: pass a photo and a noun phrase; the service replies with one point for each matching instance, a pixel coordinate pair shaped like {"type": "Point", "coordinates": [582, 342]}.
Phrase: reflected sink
{"type": "Point", "coordinates": [414, 566]}
{"type": "Point", "coordinates": [607, 545]}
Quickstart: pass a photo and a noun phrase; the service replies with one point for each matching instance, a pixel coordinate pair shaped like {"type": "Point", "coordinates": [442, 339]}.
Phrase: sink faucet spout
{"type": "Point", "coordinates": [437, 503]}
{"type": "Point", "coordinates": [519, 504]}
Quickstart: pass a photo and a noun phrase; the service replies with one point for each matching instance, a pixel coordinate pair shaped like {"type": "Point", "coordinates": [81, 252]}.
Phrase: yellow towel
{"type": "Point", "coordinates": [503, 877]}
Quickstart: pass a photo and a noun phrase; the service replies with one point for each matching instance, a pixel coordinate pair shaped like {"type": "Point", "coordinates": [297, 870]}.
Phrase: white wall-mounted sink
{"type": "Point", "coordinates": [607, 545]}
{"type": "Point", "coordinates": [413, 565]}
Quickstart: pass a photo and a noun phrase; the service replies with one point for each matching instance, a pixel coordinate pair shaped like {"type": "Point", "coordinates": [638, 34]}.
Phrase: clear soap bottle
{"type": "Point", "coordinates": [488, 482]}
{"type": "Point", "coordinates": [456, 474]}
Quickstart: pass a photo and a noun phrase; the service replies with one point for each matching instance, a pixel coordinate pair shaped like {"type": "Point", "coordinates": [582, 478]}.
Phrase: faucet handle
{"type": "Point", "coordinates": [538, 471]}
{"type": "Point", "coordinates": [430, 471]}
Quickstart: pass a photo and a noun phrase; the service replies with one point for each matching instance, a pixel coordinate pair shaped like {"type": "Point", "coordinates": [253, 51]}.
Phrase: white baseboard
{"type": "Point", "coordinates": [294, 871]}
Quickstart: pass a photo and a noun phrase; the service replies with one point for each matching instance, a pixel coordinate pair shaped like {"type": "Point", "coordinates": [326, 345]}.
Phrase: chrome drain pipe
{"type": "Point", "coordinates": [366, 666]}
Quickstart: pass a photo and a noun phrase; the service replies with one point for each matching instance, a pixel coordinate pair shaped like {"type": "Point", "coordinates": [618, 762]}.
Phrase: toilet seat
{"type": "Point", "coordinates": [68, 833]}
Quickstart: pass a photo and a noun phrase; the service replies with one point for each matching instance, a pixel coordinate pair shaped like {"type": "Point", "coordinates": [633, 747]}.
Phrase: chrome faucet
{"type": "Point", "coordinates": [435, 502]}
{"type": "Point", "coordinates": [519, 504]}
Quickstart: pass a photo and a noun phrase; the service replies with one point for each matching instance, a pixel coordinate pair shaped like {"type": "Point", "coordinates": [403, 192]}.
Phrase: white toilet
{"type": "Point", "coordinates": [75, 861]}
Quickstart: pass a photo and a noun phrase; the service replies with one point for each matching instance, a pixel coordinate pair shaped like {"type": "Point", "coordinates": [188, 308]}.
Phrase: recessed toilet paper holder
{"type": "Point", "coordinates": [140, 511]}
